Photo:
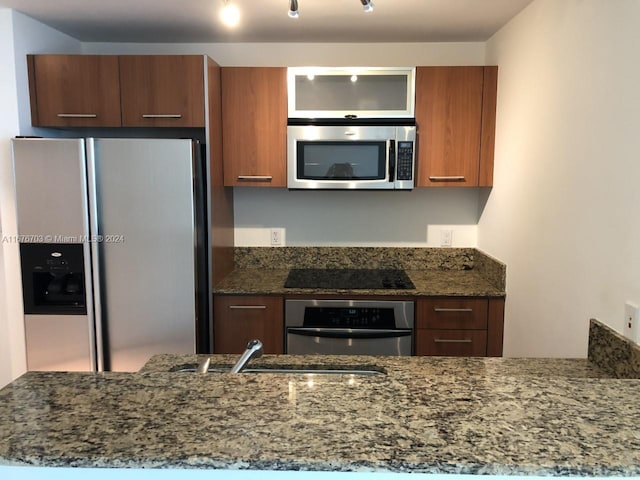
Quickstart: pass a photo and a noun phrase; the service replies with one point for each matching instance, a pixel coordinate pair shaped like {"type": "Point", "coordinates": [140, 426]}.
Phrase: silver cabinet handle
{"type": "Point", "coordinates": [255, 178]}
{"type": "Point", "coordinates": [444, 178]}
{"type": "Point", "coordinates": [452, 340]}
{"type": "Point", "coordinates": [77, 115]}
{"type": "Point", "coordinates": [247, 307]}
{"type": "Point", "coordinates": [169, 115]}
{"type": "Point", "coordinates": [439, 310]}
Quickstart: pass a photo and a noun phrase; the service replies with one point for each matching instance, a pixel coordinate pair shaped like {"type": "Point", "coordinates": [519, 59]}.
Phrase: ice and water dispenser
{"type": "Point", "coordinates": [53, 279]}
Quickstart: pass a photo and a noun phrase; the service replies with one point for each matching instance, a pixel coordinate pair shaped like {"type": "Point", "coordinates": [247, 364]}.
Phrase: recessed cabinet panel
{"type": "Point", "coordinates": [74, 90]}
{"type": "Point", "coordinates": [254, 126]}
{"type": "Point", "coordinates": [338, 93]}
{"type": "Point", "coordinates": [238, 319]}
{"type": "Point", "coordinates": [449, 119]}
{"type": "Point", "coordinates": [162, 90]}
{"type": "Point", "coordinates": [455, 343]}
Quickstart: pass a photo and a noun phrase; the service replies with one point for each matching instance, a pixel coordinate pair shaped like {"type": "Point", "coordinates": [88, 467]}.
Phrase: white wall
{"type": "Point", "coordinates": [563, 213]}
{"type": "Point", "coordinates": [341, 218]}
{"type": "Point", "coordinates": [19, 35]}
{"type": "Point", "coordinates": [12, 361]}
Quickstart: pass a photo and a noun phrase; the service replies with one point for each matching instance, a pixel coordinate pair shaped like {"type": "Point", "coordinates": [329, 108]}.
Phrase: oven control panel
{"type": "Point", "coordinates": [349, 317]}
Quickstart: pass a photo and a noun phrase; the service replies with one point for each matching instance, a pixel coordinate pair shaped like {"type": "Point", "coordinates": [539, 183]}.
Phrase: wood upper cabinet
{"type": "Point", "coordinates": [254, 126]}
{"type": "Point", "coordinates": [162, 90]}
{"type": "Point", "coordinates": [74, 90]}
{"type": "Point", "coordinates": [455, 114]}
{"type": "Point", "coordinates": [238, 319]}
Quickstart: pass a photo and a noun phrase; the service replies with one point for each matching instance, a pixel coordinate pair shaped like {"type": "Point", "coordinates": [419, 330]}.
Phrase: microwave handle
{"type": "Point", "coordinates": [392, 160]}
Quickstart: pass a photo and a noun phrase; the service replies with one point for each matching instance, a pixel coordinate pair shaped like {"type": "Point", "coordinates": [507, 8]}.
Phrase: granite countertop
{"type": "Point", "coordinates": [427, 414]}
{"type": "Point", "coordinates": [463, 283]}
{"type": "Point", "coordinates": [463, 272]}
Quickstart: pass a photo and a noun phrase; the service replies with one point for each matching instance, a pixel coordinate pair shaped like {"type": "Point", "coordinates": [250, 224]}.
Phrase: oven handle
{"type": "Point", "coordinates": [365, 333]}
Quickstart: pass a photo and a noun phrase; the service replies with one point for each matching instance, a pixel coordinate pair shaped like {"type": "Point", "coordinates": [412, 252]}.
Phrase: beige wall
{"type": "Point", "coordinates": [564, 212]}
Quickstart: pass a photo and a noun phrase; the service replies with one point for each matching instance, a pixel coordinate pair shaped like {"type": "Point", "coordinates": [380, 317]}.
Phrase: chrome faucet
{"type": "Point", "coordinates": [254, 350]}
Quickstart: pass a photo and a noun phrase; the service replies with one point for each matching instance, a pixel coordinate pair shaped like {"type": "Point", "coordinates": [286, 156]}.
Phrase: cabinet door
{"type": "Point", "coordinates": [449, 119]}
{"type": "Point", "coordinates": [162, 90]}
{"type": "Point", "coordinates": [238, 319]}
{"type": "Point", "coordinates": [74, 90]}
{"type": "Point", "coordinates": [254, 125]}
{"type": "Point", "coordinates": [453, 343]}
{"type": "Point", "coordinates": [452, 314]}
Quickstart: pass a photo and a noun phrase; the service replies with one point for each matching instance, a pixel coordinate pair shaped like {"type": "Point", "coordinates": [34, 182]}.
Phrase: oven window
{"type": "Point", "coordinates": [353, 160]}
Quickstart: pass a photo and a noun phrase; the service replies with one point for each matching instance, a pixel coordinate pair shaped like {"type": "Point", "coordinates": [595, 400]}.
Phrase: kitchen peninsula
{"type": "Point", "coordinates": [425, 415]}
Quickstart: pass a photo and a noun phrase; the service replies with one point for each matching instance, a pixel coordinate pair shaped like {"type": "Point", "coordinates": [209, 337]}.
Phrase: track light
{"type": "Point", "coordinates": [367, 5]}
{"type": "Point", "coordinates": [230, 15]}
{"type": "Point", "coordinates": [293, 9]}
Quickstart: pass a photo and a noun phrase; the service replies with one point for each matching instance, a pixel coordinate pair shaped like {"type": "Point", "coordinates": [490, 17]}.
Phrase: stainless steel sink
{"type": "Point", "coordinates": [323, 370]}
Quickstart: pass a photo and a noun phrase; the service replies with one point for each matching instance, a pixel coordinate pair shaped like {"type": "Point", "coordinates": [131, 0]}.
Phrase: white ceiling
{"type": "Point", "coordinates": [196, 21]}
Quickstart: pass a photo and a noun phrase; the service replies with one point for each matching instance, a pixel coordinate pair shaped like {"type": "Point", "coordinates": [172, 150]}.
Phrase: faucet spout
{"type": "Point", "coordinates": [254, 350]}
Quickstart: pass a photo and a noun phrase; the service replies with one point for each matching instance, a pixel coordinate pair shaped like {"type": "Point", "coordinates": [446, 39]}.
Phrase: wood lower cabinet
{"type": "Point", "coordinates": [459, 327]}
{"type": "Point", "coordinates": [238, 319]}
{"type": "Point", "coordinates": [162, 90]}
{"type": "Point", "coordinates": [455, 114]}
{"type": "Point", "coordinates": [74, 90]}
{"type": "Point", "coordinates": [254, 125]}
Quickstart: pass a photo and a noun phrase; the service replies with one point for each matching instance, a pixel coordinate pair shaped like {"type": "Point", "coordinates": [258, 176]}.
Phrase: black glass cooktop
{"type": "Point", "coordinates": [346, 278]}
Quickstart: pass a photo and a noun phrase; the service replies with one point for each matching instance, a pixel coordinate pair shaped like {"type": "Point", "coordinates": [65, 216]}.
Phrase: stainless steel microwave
{"type": "Point", "coordinates": [368, 157]}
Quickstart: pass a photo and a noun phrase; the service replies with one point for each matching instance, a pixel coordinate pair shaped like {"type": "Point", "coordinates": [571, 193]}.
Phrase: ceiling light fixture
{"type": "Point", "coordinates": [293, 9]}
{"type": "Point", "coordinates": [230, 15]}
{"type": "Point", "coordinates": [367, 5]}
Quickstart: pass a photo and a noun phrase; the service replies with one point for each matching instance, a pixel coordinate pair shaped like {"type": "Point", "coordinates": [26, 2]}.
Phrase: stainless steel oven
{"type": "Point", "coordinates": [349, 327]}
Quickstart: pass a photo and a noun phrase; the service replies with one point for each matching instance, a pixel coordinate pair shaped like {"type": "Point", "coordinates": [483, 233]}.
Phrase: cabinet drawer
{"type": "Point", "coordinates": [456, 343]}
{"type": "Point", "coordinates": [452, 314]}
{"type": "Point", "coordinates": [238, 319]}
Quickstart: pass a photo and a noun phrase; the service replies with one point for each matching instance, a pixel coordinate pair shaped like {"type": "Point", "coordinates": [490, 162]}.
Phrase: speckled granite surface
{"type": "Point", "coordinates": [434, 271]}
{"type": "Point", "coordinates": [612, 352]}
{"type": "Point", "coordinates": [431, 415]}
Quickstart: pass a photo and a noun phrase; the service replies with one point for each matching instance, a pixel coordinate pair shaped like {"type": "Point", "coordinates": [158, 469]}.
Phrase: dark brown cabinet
{"type": "Point", "coordinates": [455, 115]}
{"type": "Point", "coordinates": [162, 90]}
{"type": "Point", "coordinates": [459, 327]}
{"type": "Point", "coordinates": [254, 125]}
{"type": "Point", "coordinates": [238, 319]}
{"type": "Point", "coordinates": [117, 91]}
{"type": "Point", "coordinates": [74, 90]}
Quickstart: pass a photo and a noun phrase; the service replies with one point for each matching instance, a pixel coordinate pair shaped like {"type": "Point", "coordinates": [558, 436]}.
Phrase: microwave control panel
{"type": "Point", "coordinates": [405, 161]}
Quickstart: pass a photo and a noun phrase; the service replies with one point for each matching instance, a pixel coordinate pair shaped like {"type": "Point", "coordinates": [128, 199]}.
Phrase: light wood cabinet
{"type": "Point", "coordinates": [238, 319]}
{"type": "Point", "coordinates": [254, 125]}
{"type": "Point", "coordinates": [455, 115]}
{"type": "Point", "coordinates": [459, 327]}
{"type": "Point", "coordinates": [117, 91]}
{"type": "Point", "coordinates": [74, 90]}
{"type": "Point", "coordinates": [162, 90]}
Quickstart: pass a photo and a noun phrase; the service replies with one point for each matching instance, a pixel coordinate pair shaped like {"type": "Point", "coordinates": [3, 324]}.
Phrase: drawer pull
{"type": "Point", "coordinates": [449, 178]}
{"type": "Point", "coordinates": [255, 178]}
{"type": "Point", "coordinates": [440, 310]}
{"type": "Point", "coordinates": [247, 307]}
{"type": "Point", "coordinates": [77, 115]}
{"type": "Point", "coordinates": [165, 115]}
{"type": "Point", "coordinates": [452, 340]}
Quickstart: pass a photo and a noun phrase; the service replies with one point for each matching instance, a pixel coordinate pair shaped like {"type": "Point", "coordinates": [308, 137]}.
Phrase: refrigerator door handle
{"type": "Point", "coordinates": [98, 347]}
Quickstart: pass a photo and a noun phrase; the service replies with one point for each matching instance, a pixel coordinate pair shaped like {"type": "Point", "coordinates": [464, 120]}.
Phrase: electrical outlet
{"type": "Point", "coordinates": [446, 238]}
{"type": "Point", "coordinates": [277, 237]}
{"type": "Point", "coordinates": [632, 322]}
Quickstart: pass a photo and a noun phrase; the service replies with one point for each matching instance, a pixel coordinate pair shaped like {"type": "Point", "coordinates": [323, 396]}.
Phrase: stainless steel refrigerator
{"type": "Point", "coordinates": [114, 250]}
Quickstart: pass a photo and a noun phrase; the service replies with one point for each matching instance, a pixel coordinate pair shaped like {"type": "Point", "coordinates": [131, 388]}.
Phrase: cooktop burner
{"type": "Point", "coordinates": [346, 278]}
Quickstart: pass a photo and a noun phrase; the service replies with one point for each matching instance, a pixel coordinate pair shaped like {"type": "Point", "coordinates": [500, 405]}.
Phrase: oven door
{"type": "Point", "coordinates": [348, 341]}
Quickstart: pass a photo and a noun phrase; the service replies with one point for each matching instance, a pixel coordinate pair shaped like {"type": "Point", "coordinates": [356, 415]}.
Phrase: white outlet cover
{"type": "Point", "coordinates": [632, 322]}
